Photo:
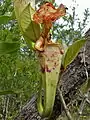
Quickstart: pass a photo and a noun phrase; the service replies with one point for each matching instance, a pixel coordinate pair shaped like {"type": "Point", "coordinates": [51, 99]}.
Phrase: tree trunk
{"type": "Point", "coordinates": [71, 80]}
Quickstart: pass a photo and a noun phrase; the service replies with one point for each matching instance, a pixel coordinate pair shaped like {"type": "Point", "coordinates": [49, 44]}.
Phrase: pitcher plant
{"type": "Point", "coordinates": [35, 27]}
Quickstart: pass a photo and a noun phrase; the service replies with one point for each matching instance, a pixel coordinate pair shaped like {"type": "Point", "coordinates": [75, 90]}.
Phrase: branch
{"type": "Point", "coordinates": [64, 105]}
{"type": "Point", "coordinates": [85, 99]}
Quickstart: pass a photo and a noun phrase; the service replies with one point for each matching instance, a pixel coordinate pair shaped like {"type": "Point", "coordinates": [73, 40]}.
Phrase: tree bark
{"type": "Point", "coordinates": [71, 80]}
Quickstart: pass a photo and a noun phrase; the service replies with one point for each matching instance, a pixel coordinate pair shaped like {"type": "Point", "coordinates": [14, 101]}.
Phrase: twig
{"type": "Point", "coordinates": [81, 108]}
{"type": "Point", "coordinates": [64, 105]}
{"type": "Point", "coordinates": [85, 99]}
{"type": "Point", "coordinates": [84, 61]}
{"type": "Point", "coordinates": [88, 101]}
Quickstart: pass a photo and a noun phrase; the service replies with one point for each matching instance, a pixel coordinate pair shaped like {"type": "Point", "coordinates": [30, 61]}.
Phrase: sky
{"type": "Point", "coordinates": [80, 5]}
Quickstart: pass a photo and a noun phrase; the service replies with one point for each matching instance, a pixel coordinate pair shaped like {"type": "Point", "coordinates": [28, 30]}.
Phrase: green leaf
{"type": "Point", "coordinates": [13, 17]}
{"type": "Point", "coordinates": [24, 14]}
{"type": "Point", "coordinates": [4, 19]}
{"type": "Point", "coordinates": [26, 17]}
{"type": "Point", "coordinates": [29, 43]}
{"type": "Point", "coordinates": [6, 47]}
{"type": "Point", "coordinates": [72, 52]}
{"type": "Point", "coordinates": [32, 32]}
{"type": "Point", "coordinates": [6, 92]}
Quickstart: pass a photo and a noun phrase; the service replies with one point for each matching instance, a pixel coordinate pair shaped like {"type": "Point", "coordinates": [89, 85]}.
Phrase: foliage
{"type": "Point", "coordinates": [72, 52]}
{"type": "Point", "coordinates": [4, 19]}
{"type": "Point", "coordinates": [19, 74]}
{"type": "Point", "coordinates": [24, 14]}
